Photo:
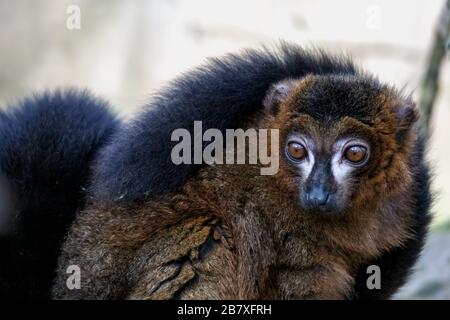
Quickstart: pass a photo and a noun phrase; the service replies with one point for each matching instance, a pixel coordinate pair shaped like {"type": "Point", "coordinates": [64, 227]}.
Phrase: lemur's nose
{"type": "Point", "coordinates": [318, 198]}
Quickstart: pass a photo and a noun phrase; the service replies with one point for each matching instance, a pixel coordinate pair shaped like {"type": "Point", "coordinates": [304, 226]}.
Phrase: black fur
{"type": "Point", "coordinates": [357, 93]}
{"type": "Point", "coordinates": [47, 143]}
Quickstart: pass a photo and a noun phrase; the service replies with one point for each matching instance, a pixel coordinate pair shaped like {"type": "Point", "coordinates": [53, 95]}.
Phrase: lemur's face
{"type": "Point", "coordinates": [326, 163]}
{"type": "Point", "coordinates": [338, 139]}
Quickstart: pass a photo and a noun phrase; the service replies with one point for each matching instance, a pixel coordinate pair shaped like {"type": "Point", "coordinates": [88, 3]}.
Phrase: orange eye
{"type": "Point", "coordinates": [355, 154]}
{"type": "Point", "coordinates": [296, 151]}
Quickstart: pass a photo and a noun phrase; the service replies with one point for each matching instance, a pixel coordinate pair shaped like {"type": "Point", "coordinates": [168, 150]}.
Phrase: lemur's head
{"type": "Point", "coordinates": [345, 141]}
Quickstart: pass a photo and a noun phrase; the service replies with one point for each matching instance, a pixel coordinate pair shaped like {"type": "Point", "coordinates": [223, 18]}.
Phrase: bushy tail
{"type": "Point", "coordinates": [47, 143]}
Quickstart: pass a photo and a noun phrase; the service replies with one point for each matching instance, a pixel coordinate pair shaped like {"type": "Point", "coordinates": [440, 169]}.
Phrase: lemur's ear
{"type": "Point", "coordinates": [407, 115]}
{"type": "Point", "coordinates": [277, 93]}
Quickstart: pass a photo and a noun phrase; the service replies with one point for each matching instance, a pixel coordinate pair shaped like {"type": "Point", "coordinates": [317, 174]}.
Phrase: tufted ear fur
{"type": "Point", "coordinates": [407, 115]}
{"type": "Point", "coordinates": [278, 93]}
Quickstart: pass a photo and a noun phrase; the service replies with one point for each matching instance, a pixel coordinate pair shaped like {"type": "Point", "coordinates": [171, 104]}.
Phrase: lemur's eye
{"type": "Point", "coordinates": [296, 151]}
{"type": "Point", "coordinates": [355, 154]}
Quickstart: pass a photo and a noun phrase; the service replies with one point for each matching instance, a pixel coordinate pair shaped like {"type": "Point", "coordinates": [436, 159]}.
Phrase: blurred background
{"type": "Point", "coordinates": [124, 50]}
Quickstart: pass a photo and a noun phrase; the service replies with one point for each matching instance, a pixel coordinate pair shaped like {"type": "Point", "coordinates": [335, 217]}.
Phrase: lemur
{"type": "Point", "coordinates": [352, 189]}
